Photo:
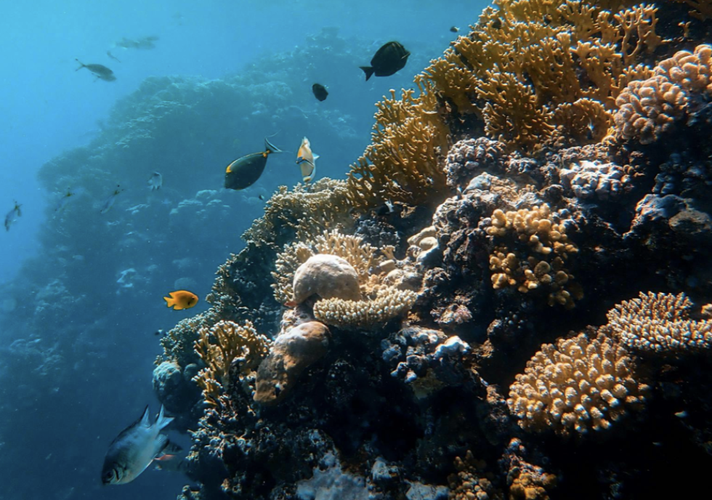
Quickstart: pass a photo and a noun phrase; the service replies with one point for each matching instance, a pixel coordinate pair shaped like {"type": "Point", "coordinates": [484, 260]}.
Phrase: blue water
{"type": "Point", "coordinates": [76, 346]}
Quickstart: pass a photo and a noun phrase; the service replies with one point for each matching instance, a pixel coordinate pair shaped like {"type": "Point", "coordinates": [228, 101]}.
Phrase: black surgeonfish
{"type": "Point", "coordinates": [319, 91]}
{"type": "Point", "coordinates": [388, 60]}
{"type": "Point", "coordinates": [98, 70]}
{"type": "Point", "coordinates": [245, 171]}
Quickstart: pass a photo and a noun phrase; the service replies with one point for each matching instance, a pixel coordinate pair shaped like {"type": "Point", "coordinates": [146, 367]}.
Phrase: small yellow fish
{"type": "Point", "coordinates": [306, 160]}
{"type": "Point", "coordinates": [181, 299]}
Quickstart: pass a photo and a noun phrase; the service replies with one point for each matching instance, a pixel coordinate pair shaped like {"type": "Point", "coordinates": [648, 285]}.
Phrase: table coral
{"type": "Point", "coordinates": [576, 385]}
{"type": "Point", "coordinates": [659, 323]}
{"type": "Point", "coordinates": [649, 107]}
{"type": "Point", "coordinates": [389, 303]}
{"type": "Point", "coordinates": [540, 263]}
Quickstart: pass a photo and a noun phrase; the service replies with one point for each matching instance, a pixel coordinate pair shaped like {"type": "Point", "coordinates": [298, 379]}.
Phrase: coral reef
{"type": "Point", "coordinates": [579, 384]}
{"type": "Point", "coordinates": [660, 324]}
{"type": "Point", "coordinates": [648, 108]}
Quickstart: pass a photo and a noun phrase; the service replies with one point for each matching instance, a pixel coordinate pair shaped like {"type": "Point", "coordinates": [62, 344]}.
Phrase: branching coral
{"type": "Point", "coordinates": [649, 107]}
{"type": "Point", "coordinates": [403, 161]}
{"type": "Point", "coordinates": [301, 213]}
{"type": "Point", "coordinates": [534, 68]}
{"type": "Point", "coordinates": [577, 385]}
{"type": "Point", "coordinates": [658, 323]}
{"type": "Point", "coordinates": [223, 346]}
{"type": "Point", "coordinates": [532, 247]}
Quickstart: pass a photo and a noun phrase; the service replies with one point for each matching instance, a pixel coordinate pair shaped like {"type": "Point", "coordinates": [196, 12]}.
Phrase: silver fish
{"type": "Point", "coordinates": [12, 216]}
{"type": "Point", "coordinates": [156, 181]}
{"type": "Point", "coordinates": [135, 448]}
{"type": "Point", "coordinates": [111, 200]}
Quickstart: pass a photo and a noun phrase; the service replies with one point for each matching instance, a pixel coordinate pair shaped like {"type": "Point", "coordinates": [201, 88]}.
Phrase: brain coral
{"type": "Point", "coordinates": [658, 323]}
{"type": "Point", "coordinates": [647, 108]}
{"type": "Point", "coordinates": [577, 385]}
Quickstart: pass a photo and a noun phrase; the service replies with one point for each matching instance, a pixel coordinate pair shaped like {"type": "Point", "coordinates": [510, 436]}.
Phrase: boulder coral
{"type": "Point", "coordinates": [326, 276]}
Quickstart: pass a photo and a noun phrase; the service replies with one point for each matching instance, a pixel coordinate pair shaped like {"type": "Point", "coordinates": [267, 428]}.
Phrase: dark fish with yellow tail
{"type": "Point", "coordinates": [319, 91]}
{"type": "Point", "coordinates": [246, 170]}
{"type": "Point", "coordinates": [98, 70]}
{"type": "Point", "coordinates": [389, 59]}
{"type": "Point", "coordinates": [181, 299]}
{"type": "Point", "coordinates": [306, 160]}
{"type": "Point", "coordinates": [135, 448]}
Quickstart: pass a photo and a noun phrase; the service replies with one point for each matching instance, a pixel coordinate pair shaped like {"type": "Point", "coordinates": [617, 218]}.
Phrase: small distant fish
{"type": "Point", "coordinates": [111, 199]}
{"type": "Point", "coordinates": [144, 43]}
{"type": "Point", "coordinates": [181, 299]}
{"type": "Point", "coordinates": [12, 216]}
{"type": "Point", "coordinates": [681, 414]}
{"type": "Point", "coordinates": [112, 56]}
{"type": "Point", "coordinates": [319, 91]}
{"type": "Point", "coordinates": [261, 197]}
{"type": "Point", "coordinates": [306, 160]}
{"type": "Point", "coordinates": [100, 71]}
{"type": "Point", "coordinates": [156, 181]}
{"type": "Point", "coordinates": [71, 193]}
{"type": "Point", "coordinates": [245, 171]}
{"type": "Point", "coordinates": [454, 29]}
{"type": "Point", "coordinates": [389, 59]}
{"type": "Point", "coordinates": [159, 332]}
{"type": "Point", "coordinates": [135, 448]}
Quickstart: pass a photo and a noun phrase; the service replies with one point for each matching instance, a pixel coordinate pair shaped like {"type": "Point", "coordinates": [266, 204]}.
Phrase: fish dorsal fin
{"type": "Point", "coordinates": [146, 418]}
{"type": "Point", "coordinates": [162, 420]}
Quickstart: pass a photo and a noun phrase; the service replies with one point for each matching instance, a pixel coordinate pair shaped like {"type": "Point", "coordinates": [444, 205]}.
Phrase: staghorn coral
{"type": "Point", "coordinates": [223, 346]}
{"type": "Point", "coordinates": [576, 385]}
{"type": "Point", "coordinates": [540, 70]}
{"type": "Point", "coordinates": [659, 323]}
{"type": "Point", "coordinates": [389, 303]}
{"type": "Point", "coordinates": [540, 232]}
{"type": "Point", "coordinates": [650, 107]}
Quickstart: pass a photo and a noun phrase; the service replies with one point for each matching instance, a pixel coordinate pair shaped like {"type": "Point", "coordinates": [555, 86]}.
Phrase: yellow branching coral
{"type": "Point", "coordinates": [302, 212]}
{"type": "Point", "coordinates": [410, 139]}
{"type": "Point", "coordinates": [658, 323]}
{"type": "Point", "coordinates": [649, 107]}
{"type": "Point", "coordinates": [533, 249]}
{"type": "Point", "coordinates": [526, 59]}
{"type": "Point", "coordinates": [222, 345]}
{"type": "Point", "coordinates": [577, 385]}
{"type": "Point", "coordinates": [365, 314]}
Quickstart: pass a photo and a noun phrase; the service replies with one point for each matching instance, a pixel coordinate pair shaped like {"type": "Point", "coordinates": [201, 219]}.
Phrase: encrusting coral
{"type": "Point", "coordinates": [576, 385]}
{"type": "Point", "coordinates": [541, 263]}
{"type": "Point", "coordinates": [649, 107]}
{"type": "Point", "coordinates": [659, 323]}
{"type": "Point", "coordinates": [223, 347]}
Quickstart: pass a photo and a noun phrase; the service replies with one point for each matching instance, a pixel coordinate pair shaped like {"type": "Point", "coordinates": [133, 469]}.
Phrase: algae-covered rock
{"type": "Point", "coordinates": [292, 353]}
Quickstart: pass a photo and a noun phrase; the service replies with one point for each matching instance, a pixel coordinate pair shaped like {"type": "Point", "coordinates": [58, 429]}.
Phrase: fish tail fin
{"type": "Point", "coordinates": [162, 420]}
{"type": "Point", "coordinates": [271, 147]}
{"type": "Point", "coordinates": [81, 65]}
{"type": "Point", "coordinates": [368, 70]}
{"type": "Point", "coordinates": [170, 301]}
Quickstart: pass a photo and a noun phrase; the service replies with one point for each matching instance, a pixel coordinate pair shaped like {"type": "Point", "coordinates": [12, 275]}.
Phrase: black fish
{"type": "Point", "coordinates": [98, 70]}
{"type": "Point", "coordinates": [245, 171]}
{"type": "Point", "coordinates": [388, 59]}
{"type": "Point", "coordinates": [320, 91]}
{"type": "Point", "coordinates": [454, 29]}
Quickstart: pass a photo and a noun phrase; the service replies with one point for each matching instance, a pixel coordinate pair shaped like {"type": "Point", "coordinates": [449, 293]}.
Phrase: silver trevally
{"type": "Point", "coordinates": [135, 448]}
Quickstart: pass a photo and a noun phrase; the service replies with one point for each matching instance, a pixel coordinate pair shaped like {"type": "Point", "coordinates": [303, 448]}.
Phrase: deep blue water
{"type": "Point", "coordinates": [72, 378]}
